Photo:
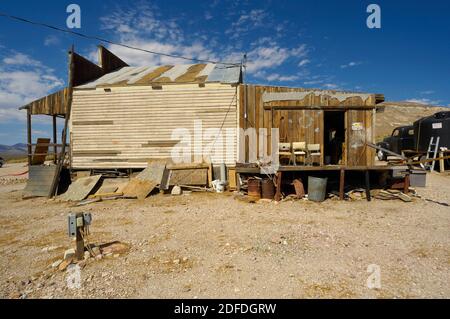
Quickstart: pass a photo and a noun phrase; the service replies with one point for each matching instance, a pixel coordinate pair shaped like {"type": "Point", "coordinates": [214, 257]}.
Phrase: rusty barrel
{"type": "Point", "coordinates": [268, 189]}
{"type": "Point", "coordinates": [254, 188]}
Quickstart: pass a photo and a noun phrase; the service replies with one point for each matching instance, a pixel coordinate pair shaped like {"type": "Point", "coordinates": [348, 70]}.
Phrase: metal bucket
{"type": "Point", "coordinates": [254, 188]}
{"type": "Point", "coordinates": [268, 189]}
{"type": "Point", "coordinates": [317, 188]}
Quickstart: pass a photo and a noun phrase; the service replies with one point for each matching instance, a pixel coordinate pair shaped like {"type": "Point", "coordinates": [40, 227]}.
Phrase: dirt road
{"type": "Point", "coordinates": [211, 245]}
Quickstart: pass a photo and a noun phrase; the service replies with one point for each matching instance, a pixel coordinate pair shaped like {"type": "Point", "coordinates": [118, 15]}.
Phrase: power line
{"type": "Point", "coordinates": [91, 37]}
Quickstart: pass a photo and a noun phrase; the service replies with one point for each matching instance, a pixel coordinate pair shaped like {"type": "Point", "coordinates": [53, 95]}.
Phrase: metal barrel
{"type": "Point", "coordinates": [254, 188]}
{"type": "Point", "coordinates": [268, 189]}
{"type": "Point", "coordinates": [317, 188]}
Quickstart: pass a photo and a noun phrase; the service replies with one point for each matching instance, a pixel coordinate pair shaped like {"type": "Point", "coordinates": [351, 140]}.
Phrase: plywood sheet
{"type": "Point", "coordinates": [81, 188]}
{"type": "Point", "coordinates": [154, 172]}
{"type": "Point", "coordinates": [189, 177]}
{"type": "Point", "coordinates": [40, 152]}
{"type": "Point", "coordinates": [139, 188]}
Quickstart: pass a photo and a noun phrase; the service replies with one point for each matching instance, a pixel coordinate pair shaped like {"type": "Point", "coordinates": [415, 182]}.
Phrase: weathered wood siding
{"type": "Point", "coordinates": [303, 120]}
{"type": "Point", "coordinates": [124, 127]}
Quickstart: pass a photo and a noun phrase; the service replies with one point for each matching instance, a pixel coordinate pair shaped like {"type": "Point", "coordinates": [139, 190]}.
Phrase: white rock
{"type": "Point", "coordinates": [176, 190]}
{"type": "Point", "coordinates": [69, 253]}
{"type": "Point", "coordinates": [57, 263]}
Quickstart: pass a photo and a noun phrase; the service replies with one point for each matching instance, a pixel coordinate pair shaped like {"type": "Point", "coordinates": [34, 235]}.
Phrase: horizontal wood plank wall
{"type": "Point", "coordinates": [128, 126]}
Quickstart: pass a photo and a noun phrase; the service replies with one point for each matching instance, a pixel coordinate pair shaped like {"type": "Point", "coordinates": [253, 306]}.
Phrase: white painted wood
{"type": "Point", "coordinates": [138, 115]}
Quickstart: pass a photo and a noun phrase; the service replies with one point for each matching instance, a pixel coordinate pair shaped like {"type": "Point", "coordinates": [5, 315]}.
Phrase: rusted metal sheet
{"type": "Point", "coordinates": [40, 180]}
{"type": "Point", "coordinates": [169, 74]}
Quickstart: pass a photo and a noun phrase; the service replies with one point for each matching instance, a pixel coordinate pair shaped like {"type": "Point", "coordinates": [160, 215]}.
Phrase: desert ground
{"type": "Point", "coordinates": [202, 245]}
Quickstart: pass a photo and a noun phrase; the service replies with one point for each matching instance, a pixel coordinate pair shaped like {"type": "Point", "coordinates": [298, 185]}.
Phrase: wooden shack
{"type": "Point", "coordinates": [120, 117]}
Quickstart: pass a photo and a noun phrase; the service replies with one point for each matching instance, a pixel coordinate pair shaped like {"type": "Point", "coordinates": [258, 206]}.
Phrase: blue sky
{"type": "Point", "coordinates": [321, 44]}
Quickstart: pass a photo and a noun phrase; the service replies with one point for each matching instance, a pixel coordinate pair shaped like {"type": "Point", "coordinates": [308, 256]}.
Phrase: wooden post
{"type": "Point", "coordinates": [341, 184]}
{"type": "Point", "coordinates": [278, 193]}
{"type": "Point", "coordinates": [406, 184]}
{"type": "Point", "coordinates": [29, 136]}
{"type": "Point", "coordinates": [68, 107]}
{"type": "Point", "coordinates": [368, 197]}
{"type": "Point", "coordinates": [79, 251]}
{"type": "Point", "coordinates": [55, 140]}
{"type": "Point", "coordinates": [441, 162]}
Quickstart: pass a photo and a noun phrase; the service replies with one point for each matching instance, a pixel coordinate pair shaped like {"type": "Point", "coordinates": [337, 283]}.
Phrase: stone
{"type": "Point", "coordinates": [176, 190]}
{"type": "Point", "coordinates": [115, 248]}
{"type": "Point", "coordinates": [63, 266]}
{"type": "Point", "coordinates": [69, 253]}
{"type": "Point", "coordinates": [96, 250]}
{"type": "Point", "coordinates": [176, 261]}
{"type": "Point", "coordinates": [50, 248]}
{"type": "Point", "coordinates": [87, 255]}
{"type": "Point", "coordinates": [57, 263]}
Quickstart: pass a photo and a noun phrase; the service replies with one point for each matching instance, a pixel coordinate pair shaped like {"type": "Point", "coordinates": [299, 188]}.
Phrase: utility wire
{"type": "Point", "coordinates": [91, 37]}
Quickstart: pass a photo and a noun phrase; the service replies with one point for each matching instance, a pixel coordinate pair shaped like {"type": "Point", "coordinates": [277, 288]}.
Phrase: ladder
{"type": "Point", "coordinates": [432, 150]}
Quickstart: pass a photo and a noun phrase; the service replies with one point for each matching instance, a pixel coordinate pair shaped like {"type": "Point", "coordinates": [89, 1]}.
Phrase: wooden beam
{"type": "Point", "coordinates": [29, 137]}
{"type": "Point", "coordinates": [341, 184]}
{"type": "Point", "coordinates": [407, 183]}
{"type": "Point", "coordinates": [279, 176]}
{"type": "Point", "coordinates": [108, 61]}
{"type": "Point", "coordinates": [62, 155]}
{"type": "Point", "coordinates": [55, 140]}
{"type": "Point", "coordinates": [299, 105]}
{"type": "Point", "coordinates": [367, 177]}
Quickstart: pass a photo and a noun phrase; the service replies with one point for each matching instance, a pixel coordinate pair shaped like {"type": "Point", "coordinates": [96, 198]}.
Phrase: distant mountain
{"type": "Point", "coordinates": [402, 113]}
{"type": "Point", "coordinates": [13, 151]}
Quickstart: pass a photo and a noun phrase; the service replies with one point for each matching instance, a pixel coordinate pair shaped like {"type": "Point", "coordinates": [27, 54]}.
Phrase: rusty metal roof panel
{"type": "Point", "coordinates": [169, 74]}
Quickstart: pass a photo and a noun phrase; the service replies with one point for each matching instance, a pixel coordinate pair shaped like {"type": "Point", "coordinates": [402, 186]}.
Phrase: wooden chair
{"type": "Point", "coordinates": [313, 151]}
{"type": "Point", "coordinates": [299, 149]}
{"type": "Point", "coordinates": [285, 151]}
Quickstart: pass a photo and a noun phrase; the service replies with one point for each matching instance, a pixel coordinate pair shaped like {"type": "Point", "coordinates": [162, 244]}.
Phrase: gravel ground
{"type": "Point", "coordinates": [215, 246]}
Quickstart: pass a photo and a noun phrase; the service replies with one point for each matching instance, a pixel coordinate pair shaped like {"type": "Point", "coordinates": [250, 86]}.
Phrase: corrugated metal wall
{"type": "Point", "coordinates": [127, 126]}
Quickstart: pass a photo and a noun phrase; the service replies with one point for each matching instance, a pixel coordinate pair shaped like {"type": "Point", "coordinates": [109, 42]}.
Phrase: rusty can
{"type": "Point", "coordinates": [254, 188]}
{"type": "Point", "coordinates": [268, 189]}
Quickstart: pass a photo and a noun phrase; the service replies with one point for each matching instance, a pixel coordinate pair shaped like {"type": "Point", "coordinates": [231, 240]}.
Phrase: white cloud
{"type": "Point", "coordinates": [208, 15]}
{"type": "Point", "coordinates": [281, 78]}
{"type": "Point", "coordinates": [330, 86]}
{"type": "Point", "coordinates": [20, 59]}
{"type": "Point", "coordinates": [350, 64]}
{"type": "Point", "coordinates": [51, 40]}
{"type": "Point", "coordinates": [263, 57]}
{"type": "Point", "coordinates": [429, 92]}
{"type": "Point", "coordinates": [247, 20]}
{"type": "Point", "coordinates": [304, 62]}
{"type": "Point", "coordinates": [424, 101]}
{"type": "Point", "coordinates": [141, 27]}
{"type": "Point", "coordinates": [22, 80]}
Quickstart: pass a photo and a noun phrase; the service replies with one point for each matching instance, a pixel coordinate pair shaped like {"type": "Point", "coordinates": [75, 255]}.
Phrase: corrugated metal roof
{"type": "Point", "coordinates": [169, 74]}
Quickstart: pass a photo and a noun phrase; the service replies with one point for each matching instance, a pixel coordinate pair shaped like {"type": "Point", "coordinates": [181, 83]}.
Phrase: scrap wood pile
{"type": "Point", "coordinates": [159, 175]}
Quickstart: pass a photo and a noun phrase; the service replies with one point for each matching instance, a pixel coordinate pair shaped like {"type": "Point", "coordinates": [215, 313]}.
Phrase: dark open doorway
{"type": "Point", "coordinates": [334, 137]}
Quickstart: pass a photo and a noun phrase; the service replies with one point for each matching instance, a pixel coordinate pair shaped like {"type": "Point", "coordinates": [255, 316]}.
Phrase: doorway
{"type": "Point", "coordinates": [334, 137]}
